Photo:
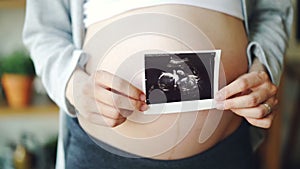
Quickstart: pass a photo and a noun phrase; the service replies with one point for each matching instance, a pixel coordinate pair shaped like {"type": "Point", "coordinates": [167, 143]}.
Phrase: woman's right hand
{"type": "Point", "coordinates": [103, 98]}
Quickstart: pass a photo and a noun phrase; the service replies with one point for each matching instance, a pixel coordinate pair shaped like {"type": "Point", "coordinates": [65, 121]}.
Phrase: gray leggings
{"type": "Point", "coordinates": [234, 152]}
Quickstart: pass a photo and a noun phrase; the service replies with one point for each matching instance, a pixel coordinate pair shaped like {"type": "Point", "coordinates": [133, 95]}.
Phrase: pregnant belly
{"type": "Point", "coordinates": [117, 44]}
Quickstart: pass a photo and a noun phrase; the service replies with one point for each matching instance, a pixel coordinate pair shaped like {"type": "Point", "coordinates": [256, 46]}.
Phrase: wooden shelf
{"type": "Point", "coordinates": [40, 104]}
{"type": "Point", "coordinates": [32, 110]}
{"type": "Point", "coordinates": [12, 3]}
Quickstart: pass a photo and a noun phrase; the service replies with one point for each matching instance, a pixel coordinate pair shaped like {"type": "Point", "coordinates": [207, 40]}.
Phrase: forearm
{"type": "Point", "coordinates": [77, 80]}
{"type": "Point", "coordinates": [257, 66]}
{"type": "Point", "coordinates": [48, 36]}
{"type": "Point", "coordinates": [270, 25]}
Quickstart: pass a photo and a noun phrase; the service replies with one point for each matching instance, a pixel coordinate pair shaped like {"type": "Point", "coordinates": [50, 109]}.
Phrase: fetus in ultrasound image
{"type": "Point", "coordinates": [179, 77]}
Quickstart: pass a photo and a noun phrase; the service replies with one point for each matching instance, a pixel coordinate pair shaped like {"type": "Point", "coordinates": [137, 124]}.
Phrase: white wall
{"type": "Point", "coordinates": [11, 25]}
{"type": "Point", "coordinates": [12, 20]}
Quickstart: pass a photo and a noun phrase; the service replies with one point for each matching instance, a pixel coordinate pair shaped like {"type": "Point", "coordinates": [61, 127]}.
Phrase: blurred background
{"type": "Point", "coordinates": [29, 126]}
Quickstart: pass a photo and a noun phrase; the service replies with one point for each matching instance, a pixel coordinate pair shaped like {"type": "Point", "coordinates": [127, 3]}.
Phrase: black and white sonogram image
{"type": "Point", "coordinates": [175, 77]}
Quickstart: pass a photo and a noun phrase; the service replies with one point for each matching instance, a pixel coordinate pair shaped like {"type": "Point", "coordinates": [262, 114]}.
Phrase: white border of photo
{"type": "Point", "coordinates": [188, 106]}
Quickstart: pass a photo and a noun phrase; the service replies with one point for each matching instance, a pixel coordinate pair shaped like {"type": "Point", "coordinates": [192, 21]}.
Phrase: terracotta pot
{"type": "Point", "coordinates": [18, 89]}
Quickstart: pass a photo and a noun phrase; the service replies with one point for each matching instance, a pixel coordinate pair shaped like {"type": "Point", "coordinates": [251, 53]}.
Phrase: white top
{"type": "Point", "coordinates": [98, 10]}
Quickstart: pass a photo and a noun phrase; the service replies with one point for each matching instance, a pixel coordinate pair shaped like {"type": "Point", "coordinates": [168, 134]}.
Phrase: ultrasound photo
{"type": "Point", "coordinates": [176, 77]}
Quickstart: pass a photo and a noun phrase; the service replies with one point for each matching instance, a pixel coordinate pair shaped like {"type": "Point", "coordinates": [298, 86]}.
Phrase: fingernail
{"type": "Point", "coordinates": [142, 97]}
{"type": "Point", "coordinates": [144, 107]}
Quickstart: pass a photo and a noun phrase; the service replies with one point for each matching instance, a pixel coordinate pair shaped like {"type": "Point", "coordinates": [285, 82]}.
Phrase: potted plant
{"type": "Point", "coordinates": [17, 78]}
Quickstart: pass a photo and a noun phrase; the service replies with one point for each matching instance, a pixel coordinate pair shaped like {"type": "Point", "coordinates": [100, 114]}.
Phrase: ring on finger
{"type": "Point", "coordinates": [268, 107]}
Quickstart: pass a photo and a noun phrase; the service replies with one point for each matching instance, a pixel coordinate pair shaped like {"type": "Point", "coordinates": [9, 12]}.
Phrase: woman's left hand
{"type": "Point", "coordinates": [252, 96]}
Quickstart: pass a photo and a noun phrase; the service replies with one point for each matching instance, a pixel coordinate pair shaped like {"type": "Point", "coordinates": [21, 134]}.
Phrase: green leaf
{"type": "Point", "coordinates": [17, 63]}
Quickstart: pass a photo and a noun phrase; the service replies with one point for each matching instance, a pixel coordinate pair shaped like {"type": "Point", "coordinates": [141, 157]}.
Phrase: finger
{"type": "Point", "coordinates": [246, 101]}
{"type": "Point", "coordinates": [114, 123]}
{"type": "Point", "coordinates": [113, 112]}
{"type": "Point", "coordinates": [263, 123]}
{"type": "Point", "coordinates": [242, 84]}
{"type": "Point", "coordinates": [115, 100]}
{"type": "Point", "coordinates": [118, 85]}
{"type": "Point", "coordinates": [105, 116]}
{"type": "Point", "coordinates": [257, 112]}
{"type": "Point", "coordinates": [126, 113]}
{"type": "Point", "coordinates": [109, 111]}
{"type": "Point", "coordinates": [98, 119]}
{"type": "Point", "coordinates": [92, 105]}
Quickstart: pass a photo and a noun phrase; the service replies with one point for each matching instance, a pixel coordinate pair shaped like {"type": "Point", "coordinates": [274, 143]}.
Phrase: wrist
{"type": "Point", "coordinates": [257, 66]}
{"type": "Point", "coordinates": [76, 79]}
{"type": "Point", "coordinates": [69, 89]}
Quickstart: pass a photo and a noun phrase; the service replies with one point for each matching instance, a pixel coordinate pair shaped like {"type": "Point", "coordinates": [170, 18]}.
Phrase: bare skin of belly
{"type": "Point", "coordinates": [178, 135]}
